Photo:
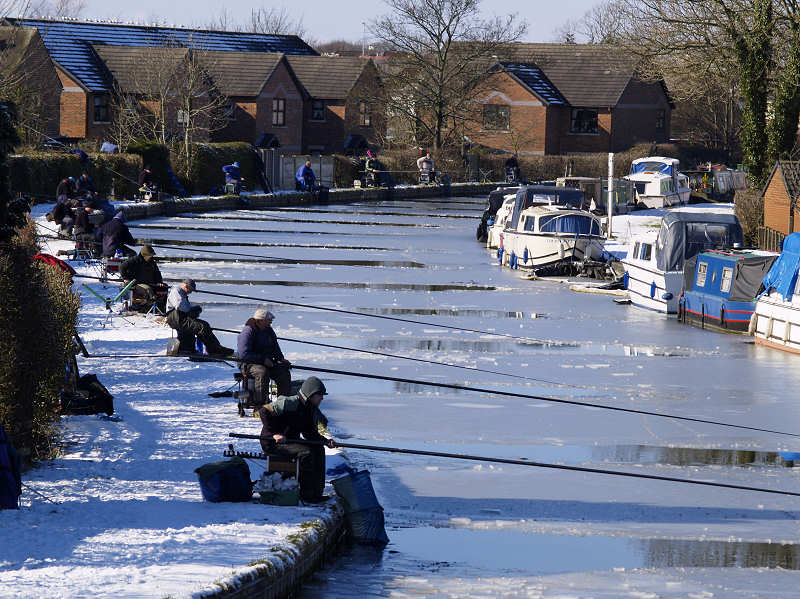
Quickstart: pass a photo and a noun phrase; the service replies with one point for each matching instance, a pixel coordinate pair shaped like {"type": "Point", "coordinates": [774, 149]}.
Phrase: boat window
{"type": "Point", "coordinates": [635, 253]}
{"type": "Point", "coordinates": [530, 223]}
{"type": "Point", "coordinates": [666, 186]}
{"type": "Point", "coordinates": [703, 236]}
{"type": "Point", "coordinates": [727, 279]}
{"type": "Point", "coordinates": [571, 197]}
{"type": "Point", "coordinates": [702, 269]}
{"type": "Point", "coordinates": [566, 223]}
{"type": "Point", "coordinates": [647, 251]}
{"type": "Point", "coordinates": [539, 198]}
{"type": "Point", "coordinates": [595, 228]}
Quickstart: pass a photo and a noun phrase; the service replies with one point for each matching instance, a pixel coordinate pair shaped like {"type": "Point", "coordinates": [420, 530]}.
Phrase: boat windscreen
{"type": "Point", "coordinates": [577, 224]}
{"type": "Point", "coordinates": [571, 197]}
{"type": "Point", "coordinates": [655, 166]}
{"type": "Point", "coordinates": [682, 240]}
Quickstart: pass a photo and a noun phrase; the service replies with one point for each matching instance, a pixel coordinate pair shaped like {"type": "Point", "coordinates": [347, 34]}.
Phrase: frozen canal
{"type": "Point", "coordinates": [465, 529]}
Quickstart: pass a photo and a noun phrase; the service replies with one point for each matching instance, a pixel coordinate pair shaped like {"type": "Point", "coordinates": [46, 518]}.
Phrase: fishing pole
{"type": "Point", "coordinates": [381, 316]}
{"type": "Point", "coordinates": [386, 355]}
{"type": "Point", "coordinates": [572, 402]}
{"type": "Point", "coordinates": [475, 458]}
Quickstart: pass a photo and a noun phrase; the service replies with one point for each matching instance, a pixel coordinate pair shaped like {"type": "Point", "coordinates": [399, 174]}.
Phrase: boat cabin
{"type": "Point", "coordinates": [658, 183]}
{"type": "Point", "coordinates": [543, 195]}
{"type": "Point", "coordinates": [720, 288]}
{"type": "Point", "coordinates": [595, 193]}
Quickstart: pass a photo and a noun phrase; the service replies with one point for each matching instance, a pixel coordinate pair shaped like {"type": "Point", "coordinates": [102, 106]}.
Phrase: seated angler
{"type": "Point", "coordinates": [149, 288]}
{"type": "Point", "coordinates": [233, 176]}
{"type": "Point", "coordinates": [182, 315]}
{"type": "Point", "coordinates": [261, 356]}
{"type": "Point", "coordinates": [304, 178]}
{"type": "Point", "coordinates": [284, 420]}
{"type": "Point", "coordinates": [114, 236]}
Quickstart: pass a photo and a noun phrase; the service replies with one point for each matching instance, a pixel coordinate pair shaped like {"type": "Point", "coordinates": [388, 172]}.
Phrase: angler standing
{"type": "Point", "coordinates": [261, 356]}
{"type": "Point", "coordinates": [286, 419]}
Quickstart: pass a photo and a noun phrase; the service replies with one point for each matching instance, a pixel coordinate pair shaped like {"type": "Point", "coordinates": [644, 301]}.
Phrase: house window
{"type": "Point", "coordinates": [584, 120]}
{"type": "Point", "coordinates": [496, 117]}
{"type": "Point", "coordinates": [318, 110]}
{"type": "Point", "coordinates": [278, 112]}
{"type": "Point", "coordinates": [661, 118]}
{"type": "Point", "coordinates": [364, 114]}
{"type": "Point", "coordinates": [702, 271]}
{"type": "Point", "coordinates": [101, 111]}
{"type": "Point", "coordinates": [183, 117]}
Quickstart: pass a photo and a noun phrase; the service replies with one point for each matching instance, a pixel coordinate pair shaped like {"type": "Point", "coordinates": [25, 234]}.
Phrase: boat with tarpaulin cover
{"type": "Point", "coordinates": [776, 320]}
{"type": "Point", "coordinates": [720, 288]}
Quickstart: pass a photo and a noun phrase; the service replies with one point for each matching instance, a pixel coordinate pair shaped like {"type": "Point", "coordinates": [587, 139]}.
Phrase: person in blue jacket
{"type": "Point", "coordinates": [304, 178]}
{"type": "Point", "coordinates": [233, 176]}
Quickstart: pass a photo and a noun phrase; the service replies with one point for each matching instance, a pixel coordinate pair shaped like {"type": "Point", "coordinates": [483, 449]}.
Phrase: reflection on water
{"type": "Point", "coordinates": [476, 346]}
{"type": "Point", "coordinates": [392, 286]}
{"type": "Point", "coordinates": [451, 312]}
{"type": "Point", "coordinates": [445, 562]}
{"type": "Point", "coordinates": [687, 456]}
{"type": "Point", "coordinates": [265, 260]}
{"type": "Point", "coordinates": [237, 230]}
{"type": "Point", "coordinates": [410, 212]}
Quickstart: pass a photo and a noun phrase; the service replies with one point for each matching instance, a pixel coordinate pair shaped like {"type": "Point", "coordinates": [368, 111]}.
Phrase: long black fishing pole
{"type": "Point", "coordinates": [476, 458]}
{"type": "Point", "coordinates": [387, 355]}
{"type": "Point", "coordinates": [572, 402]}
{"type": "Point", "coordinates": [381, 316]}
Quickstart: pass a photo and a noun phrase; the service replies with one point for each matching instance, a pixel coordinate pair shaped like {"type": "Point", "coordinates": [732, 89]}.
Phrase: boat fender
{"type": "Point", "coordinates": [625, 279]}
{"type": "Point", "coordinates": [786, 329]}
{"type": "Point", "coordinates": [500, 254]}
{"type": "Point", "coordinates": [751, 328]}
{"type": "Point", "coordinates": [512, 262]}
{"type": "Point", "coordinates": [560, 250]}
{"type": "Point", "coordinates": [666, 296]}
{"type": "Point", "coordinates": [721, 315]}
{"type": "Point", "coordinates": [770, 323]}
{"type": "Point", "coordinates": [653, 289]}
{"type": "Point", "coordinates": [525, 255]}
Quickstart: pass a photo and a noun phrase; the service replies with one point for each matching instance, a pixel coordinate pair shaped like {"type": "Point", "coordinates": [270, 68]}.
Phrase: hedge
{"type": "Point", "coordinates": [37, 174]}
{"type": "Point", "coordinates": [154, 155]}
{"type": "Point", "coordinates": [209, 158]}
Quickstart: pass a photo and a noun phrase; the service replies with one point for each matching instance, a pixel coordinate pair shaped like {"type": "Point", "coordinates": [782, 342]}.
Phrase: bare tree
{"type": "Point", "coordinates": [443, 50]}
{"type": "Point", "coordinates": [599, 25]}
{"type": "Point", "coordinates": [57, 8]}
{"type": "Point", "coordinates": [276, 21]}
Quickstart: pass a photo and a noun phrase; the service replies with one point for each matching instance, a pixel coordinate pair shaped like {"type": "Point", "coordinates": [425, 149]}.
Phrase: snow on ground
{"type": "Point", "coordinates": [119, 513]}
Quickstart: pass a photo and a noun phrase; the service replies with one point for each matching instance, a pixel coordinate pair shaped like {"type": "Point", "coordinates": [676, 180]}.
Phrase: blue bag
{"type": "Point", "coordinates": [228, 480]}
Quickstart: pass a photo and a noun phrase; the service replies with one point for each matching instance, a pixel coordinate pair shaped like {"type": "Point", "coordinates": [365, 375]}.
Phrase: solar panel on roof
{"type": "Point", "coordinates": [69, 43]}
{"type": "Point", "coordinates": [533, 77]}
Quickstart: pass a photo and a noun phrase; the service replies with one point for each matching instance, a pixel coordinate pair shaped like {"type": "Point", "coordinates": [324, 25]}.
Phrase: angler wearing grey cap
{"type": "Point", "coordinates": [261, 356]}
{"type": "Point", "coordinates": [182, 315]}
{"type": "Point", "coordinates": [288, 418]}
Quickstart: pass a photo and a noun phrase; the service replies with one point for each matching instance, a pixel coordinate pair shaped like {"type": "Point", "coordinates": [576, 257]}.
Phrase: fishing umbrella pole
{"type": "Point", "coordinates": [529, 463]}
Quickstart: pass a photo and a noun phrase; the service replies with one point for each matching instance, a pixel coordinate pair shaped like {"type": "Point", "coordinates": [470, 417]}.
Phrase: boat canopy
{"type": "Point", "coordinates": [783, 274]}
{"type": "Point", "coordinates": [683, 235]}
{"type": "Point", "coordinates": [577, 224]}
{"type": "Point", "coordinates": [747, 272]}
{"type": "Point", "coordinates": [655, 164]}
{"type": "Point", "coordinates": [540, 195]}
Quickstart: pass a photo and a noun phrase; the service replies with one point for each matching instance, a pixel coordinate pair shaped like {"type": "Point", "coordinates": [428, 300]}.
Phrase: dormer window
{"type": "Point", "coordinates": [318, 110]}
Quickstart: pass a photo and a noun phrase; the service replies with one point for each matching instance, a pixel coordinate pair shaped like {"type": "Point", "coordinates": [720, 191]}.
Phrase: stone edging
{"type": "Point", "coordinates": [281, 572]}
{"type": "Point", "coordinates": [136, 211]}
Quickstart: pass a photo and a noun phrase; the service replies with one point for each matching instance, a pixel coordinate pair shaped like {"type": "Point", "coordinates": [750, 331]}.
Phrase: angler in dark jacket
{"type": "Point", "coordinates": [114, 235]}
{"type": "Point", "coordinates": [288, 418]}
{"type": "Point", "coordinates": [261, 356]}
{"type": "Point", "coordinates": [149, 288]}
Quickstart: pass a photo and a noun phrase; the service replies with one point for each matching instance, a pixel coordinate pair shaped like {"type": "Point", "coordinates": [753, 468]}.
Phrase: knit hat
{"type": "Point", "coordinates": [311, 386]}
{"type": "Point", "coordinates": [263, 314]}
{"type": "Point", "coordinates": [120, 215]}
{"type": "Point", "coordinates": [190, 284]}
{"type": "Point", "coordinates": [147, 251]}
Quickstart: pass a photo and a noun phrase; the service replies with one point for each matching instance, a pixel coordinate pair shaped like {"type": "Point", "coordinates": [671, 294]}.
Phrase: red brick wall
{"type": "Point", "coordinates": [635, 115]}
{"type": "Point", "coordinates": [585, 142]}
{"type": "Point", "coordinates": [324, 136]}
{"type": "Point", "coordinates": [242, 127]}
{"type": "Point", "coordinates": [776, 205]}
{"type": "Point", "coordinates": [282, 85]}
{"type": "Point", "coordinates": [366, 88]}
{"type": "Point", "coordinates": [72, 107]}
{"type": "Point", "coordinates": [40, 78]}
{"type": "Point", "coordinates": [98, 131]}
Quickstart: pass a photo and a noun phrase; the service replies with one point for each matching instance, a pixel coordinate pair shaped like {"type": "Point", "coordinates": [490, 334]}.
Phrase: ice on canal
{"type": "Point", "coordinates": [465, 529]}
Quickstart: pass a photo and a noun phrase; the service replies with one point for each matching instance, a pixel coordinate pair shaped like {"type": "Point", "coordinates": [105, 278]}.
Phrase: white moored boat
{"type": "Point", "coordinates": [552, 235]}
{"type": "Point", "coordinates": [497, 224]}
{"type": "Point", "coordinates": [776, 320]}
{"type": "Point", "coordinates": [658, 183]}
{"type": "Point", "coordinates": [654, 262]}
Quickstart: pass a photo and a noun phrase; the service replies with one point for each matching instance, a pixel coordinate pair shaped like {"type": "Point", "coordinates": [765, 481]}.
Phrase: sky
{"type": "Point", "coordinates": [325, 20]}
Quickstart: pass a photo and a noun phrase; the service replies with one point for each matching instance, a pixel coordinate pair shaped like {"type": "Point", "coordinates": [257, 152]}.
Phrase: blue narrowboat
{"type": "Point", "coordinates": [720, 288]}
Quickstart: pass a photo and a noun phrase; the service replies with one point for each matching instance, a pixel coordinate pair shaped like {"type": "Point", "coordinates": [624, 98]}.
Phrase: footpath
{"type": "Point", "coordinates": [119, 513]}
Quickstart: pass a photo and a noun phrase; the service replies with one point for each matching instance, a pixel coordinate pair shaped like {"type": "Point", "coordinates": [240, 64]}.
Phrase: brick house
{"type": "Point", "coordinates": [28, 77]}
{"type": "Point", "coordinates": [87, 82]}
{"type": "Point", "coordinates": [568, 98]}
{"type": "Point", "coordinates": [781, 194]}
{"type": "Point", "coordinates": [338, 100]}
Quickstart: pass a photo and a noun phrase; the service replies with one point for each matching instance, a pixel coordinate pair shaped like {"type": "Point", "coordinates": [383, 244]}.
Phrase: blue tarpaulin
{"type": "Point", "coordinates": [652, 166]}
{"type": "Point", "coordinates": [783, 274]}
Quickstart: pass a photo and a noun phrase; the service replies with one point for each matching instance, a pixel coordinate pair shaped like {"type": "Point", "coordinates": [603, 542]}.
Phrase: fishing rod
{"type": "Point", "coordinates": [386, 355]}
{"type": "Point", "coordinates": [572, 402]}
{"type": "Point", "coordinates": [381, 316]}
{"type": "Point", "coordinates": [475, 458]}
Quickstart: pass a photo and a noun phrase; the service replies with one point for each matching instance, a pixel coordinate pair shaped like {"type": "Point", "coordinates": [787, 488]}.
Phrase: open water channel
{"type": "Point", "coordinates": [466, 529]}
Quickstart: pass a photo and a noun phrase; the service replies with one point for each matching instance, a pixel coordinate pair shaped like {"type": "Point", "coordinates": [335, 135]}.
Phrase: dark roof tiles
{"type": "Point", "coordinates": [327, 77]}
{"type": "Point", "coordinates": [70, 43]}
{"type": "Point", "coordinates": [790, 169]}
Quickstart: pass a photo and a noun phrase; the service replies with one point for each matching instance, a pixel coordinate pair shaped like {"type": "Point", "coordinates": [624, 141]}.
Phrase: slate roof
{"type": "Point", "coordinates": [327, 77]}
{"type": "Point", "coordinates": [235, 73]}
{"type": "Point", "coordinates": [790, 171]}
{"type": "Point", "coordinates": [585, 74]}
{"type": "Point", "coordinates": [70, 43]}
{"type": "Point", "coordinates": [533, 77]}
{"type": "Point", "coordinates": [13, 44]}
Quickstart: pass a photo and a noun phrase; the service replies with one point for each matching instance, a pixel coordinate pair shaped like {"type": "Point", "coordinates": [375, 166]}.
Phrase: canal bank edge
{"type": "Point", "coordinates": [136, 211]}
{"type": "Point", "coordinates": [282, 570]}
